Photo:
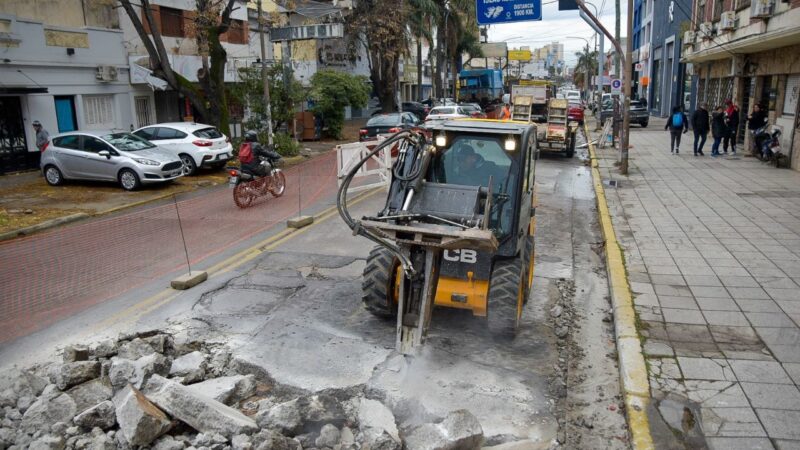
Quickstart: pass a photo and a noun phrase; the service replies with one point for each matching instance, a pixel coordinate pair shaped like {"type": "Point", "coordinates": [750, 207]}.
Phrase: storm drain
{"type": "Point", "coordinates": [612, 183]}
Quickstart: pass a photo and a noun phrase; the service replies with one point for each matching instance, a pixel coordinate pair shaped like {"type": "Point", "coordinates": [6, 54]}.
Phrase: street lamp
{"type": "Point", "coordinates": [586, 63]}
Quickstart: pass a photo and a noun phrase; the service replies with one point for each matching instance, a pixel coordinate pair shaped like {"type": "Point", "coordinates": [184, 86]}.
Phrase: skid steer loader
{"type": "Point", "coordinates": [457, 227]}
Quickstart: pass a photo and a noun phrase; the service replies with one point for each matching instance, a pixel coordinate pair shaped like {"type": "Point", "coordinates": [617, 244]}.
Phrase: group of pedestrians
{"type": "Point", "coordinates": [723, 123]}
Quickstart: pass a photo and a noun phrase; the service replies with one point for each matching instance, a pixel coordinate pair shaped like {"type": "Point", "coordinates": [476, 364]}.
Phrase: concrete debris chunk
{"type": "Point", "coordinates": [102, 415]}
{"type": "Point", "coordinates": [140, 421]}
{"type": "Point", "coordinates": [103, 349]}
{"type": "Point", "coordinates": [192, 367]}
{"type": "Point", "coordinates": [459, 430]}
{"type": "Point", "coordinates": [21, 383]}
{"type": "Point", "coordinates": [272, 440]}
{"type": "Point", "coordinates": [69, 374]}
{"type": "Point", "coordinates": [124, 371]}
{"type": "Point", "coordinates": [48, 442]}
{"type": "Point", "coordinates": [228, 390]}
{"type": "Point", "coordinates": [168, 443]}
{"type": "Point", "coordinates": [375, 418]}
{"type": "Point", "coordinates": [73, 353]}
{"type": "Point", "coordinates": [329, 436]}
{"type": "Point", "coordinates": [135, 349]}
{"type": "Point", "coordinates": [160, 342]}
{"type": "Point", "coordinates": [284, 417]}
{"type": "Point", "coordinates": [241, 442]}
{"type": "Point", "coordinates": [53, 406]}
{"type": "Point", "coordinates": [378, 441]}
{"type": "Point", "coordinates": [91, 393]}
{"type": "Point", "coordinates": [200, 412]}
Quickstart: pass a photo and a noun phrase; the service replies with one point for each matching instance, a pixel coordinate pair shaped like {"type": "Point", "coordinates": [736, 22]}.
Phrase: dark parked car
{"type": "Point", "coordinates": [387, 124]}
{"type": "Point", "coordinates": [638, 112]}
{"type": "Point", "coordinates": [416, 108]}
{"type": "Point", "coordinates": [474, 110]}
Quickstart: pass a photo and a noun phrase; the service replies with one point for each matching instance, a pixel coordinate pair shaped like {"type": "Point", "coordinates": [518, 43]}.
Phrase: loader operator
{"type": "Point", "coordinates": [472, 169]}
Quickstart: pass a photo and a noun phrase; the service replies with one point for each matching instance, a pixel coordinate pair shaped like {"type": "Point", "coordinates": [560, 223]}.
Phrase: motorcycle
{"type": "Point", "coordinates": [247, 187]}
{"type": "Point", "coordinates": [769, 144]}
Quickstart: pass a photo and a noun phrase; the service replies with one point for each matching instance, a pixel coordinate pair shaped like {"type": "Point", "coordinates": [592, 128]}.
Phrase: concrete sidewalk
{"type": "Point", "coordinates": [712, 249]}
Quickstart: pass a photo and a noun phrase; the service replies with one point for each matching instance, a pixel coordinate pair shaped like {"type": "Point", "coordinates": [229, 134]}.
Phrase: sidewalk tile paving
{"type": "Point", "coordinates": [712, 249]}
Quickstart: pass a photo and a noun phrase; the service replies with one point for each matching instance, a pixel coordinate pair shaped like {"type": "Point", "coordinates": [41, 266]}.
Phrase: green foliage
{"type": "Point", "coordinates": [250, 92]}
{"type": "Point", "coordinates": [285, 144]}
{"type": "Point", "coordinates": [332, 91]}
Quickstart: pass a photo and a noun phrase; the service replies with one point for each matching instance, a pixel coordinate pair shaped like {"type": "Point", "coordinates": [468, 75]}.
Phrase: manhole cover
{"type": "Point", "coordinates": [612, 183]}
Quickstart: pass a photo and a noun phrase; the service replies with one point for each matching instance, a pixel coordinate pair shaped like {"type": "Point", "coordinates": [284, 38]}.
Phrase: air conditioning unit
{"type": "Point", "coordinates": [762, 8]}
{"type": "Point", "coordinates": [106, 73]}
{"type": "Point", "coordinates": [706, 30]}
{"type": "Point", "coordinates": [727, 20]}
{"type": "Point", "coordinates": [688, 38]}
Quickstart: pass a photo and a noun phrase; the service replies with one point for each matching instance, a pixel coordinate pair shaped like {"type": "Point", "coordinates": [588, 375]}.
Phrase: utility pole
{"type": "Point", "coordinates": [264, 79]}
{"type": "Point", "coordinates": [618, 14]}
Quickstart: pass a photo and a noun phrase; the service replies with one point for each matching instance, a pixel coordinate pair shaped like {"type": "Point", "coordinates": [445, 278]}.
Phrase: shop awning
{"type": "Point", "coordinates": [5, 90]}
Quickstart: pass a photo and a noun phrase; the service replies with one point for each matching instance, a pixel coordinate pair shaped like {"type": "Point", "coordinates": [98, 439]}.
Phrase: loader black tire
{"type": "Point", "coordinates": [504, 293]}
{"type": "Point", "coordinates": [377, 285]}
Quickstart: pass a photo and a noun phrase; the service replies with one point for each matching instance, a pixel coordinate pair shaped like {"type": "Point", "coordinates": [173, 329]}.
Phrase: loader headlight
{"type": "Point", "coordinates": [510, 144]}
{"type": "Point", "coordinates": [441, 139]}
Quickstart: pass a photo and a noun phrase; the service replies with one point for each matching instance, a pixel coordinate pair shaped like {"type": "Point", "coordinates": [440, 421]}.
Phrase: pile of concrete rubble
{"type": "Point", "coordinates": [148, 390]}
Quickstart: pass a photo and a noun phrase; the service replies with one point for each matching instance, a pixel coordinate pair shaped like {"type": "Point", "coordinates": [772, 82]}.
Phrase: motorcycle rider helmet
{"type": "Point", "coordinates": [251, 136]}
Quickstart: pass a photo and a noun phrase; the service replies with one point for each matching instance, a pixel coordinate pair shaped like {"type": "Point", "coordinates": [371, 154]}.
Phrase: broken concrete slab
{"type": "Point", "coordinates": [51, 407]}
{"type": "Point", "coordinates": [228, 390]}
{"type": "Point", "coordinates": [300, 221]}
{"type": "Point", "coordinates": [303, 414]}
{"type": "Point", "coordinates": [103, 416]}
{"type": "Point", "coordinates": [198, 411]}
{"type": "Point", "coordinates": [272, 440]}
{"type": "Point", "coordinates": [329, 436]}
{"type": "Point", "coordinates": [374, 418]}
{"type": "Point", "coordinates": [459, 430]}
{"type": "Point", "coordinates": [124, 371]}
{"type": "Point", "coordinates": [48, 442]}
{"type": "Point", "coordinates": [103, 349]}
{"type": "Point", "coordinates": [72, 373]}
{"type": "Point", "coordinates": [73, 353]}
{"type": "Point", "coordinates": [191, 367]}
{"type": "Point", "coordinates": [140, 421]}
{"type": "Point", "coordinates": [91, 393]}
{"type": "Point", "coordinates": [135, 349]}
{"type": "Point", "coordinates": [189, 280]}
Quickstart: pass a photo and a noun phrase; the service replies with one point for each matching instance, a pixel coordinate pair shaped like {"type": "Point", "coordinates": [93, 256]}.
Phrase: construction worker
{"type": "Point", "coordinates": [506, 113]}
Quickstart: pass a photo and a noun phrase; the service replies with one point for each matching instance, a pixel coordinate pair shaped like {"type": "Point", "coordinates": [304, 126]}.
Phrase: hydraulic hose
{"type": "Point", "coordinates": [341, 201]}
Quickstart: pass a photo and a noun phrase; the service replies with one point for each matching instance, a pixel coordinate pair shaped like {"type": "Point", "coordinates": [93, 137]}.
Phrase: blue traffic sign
{"type": "Point", "coordinates": [504, 11]}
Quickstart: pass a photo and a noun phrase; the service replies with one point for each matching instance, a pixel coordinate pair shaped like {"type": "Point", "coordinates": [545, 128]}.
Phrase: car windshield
{"type": "Point", "coordinates": [473, 161]}
{"type": "Point", "coordinates": [208, 133]}
{"type": "Point", "coordinates": [128, 142]}
{"type": "Point", "coordinates": [435, 111]}
{"type": "Point", "coordinates": [384, 119]}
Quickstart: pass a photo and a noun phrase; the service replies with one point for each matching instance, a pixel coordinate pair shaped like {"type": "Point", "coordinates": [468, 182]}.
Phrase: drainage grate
{"type": "Point", "coordinates": [612, 183]}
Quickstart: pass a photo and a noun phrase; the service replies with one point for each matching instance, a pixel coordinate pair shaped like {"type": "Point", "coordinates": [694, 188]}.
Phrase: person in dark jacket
{"type": "Point", "coordinates": [700, 126]}
{"type": "Point", "coordinates": [259, 151]}
{"type": "Point", "coordinates": [756, 119]}
{"type": "Point", "coordinates": [732, 122]}
{"type": "Point", "coordinates": [718, 129]}
{"type": "Point", "coordinates": [676, 123]}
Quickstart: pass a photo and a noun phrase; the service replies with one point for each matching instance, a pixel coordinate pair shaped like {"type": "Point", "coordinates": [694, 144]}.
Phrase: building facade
{"type": "Point", "coordinates": [642, 34]}
{"type": "Point", "coordinates": [65, 67]}
{"type": "Point", "coordinates": [749, 51]}
{"type": "Point", "coordinates": [668, 80]}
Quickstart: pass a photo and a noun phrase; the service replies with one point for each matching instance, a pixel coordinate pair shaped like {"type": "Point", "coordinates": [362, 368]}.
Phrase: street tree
{"type": "Point", "coordinates": [587, 63]}
{"type": "Point", "coordinates": [211, 21]}
{"type": "Point", "coordinates": [250, 91]}
{"type": "Point", "coordinates": [332, 91]}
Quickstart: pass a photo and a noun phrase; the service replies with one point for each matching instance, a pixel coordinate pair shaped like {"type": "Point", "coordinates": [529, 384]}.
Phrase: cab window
{"type": "Point", "coordinates": [94, 145]}
{"type": "Point", "coordinates": [473, 161]}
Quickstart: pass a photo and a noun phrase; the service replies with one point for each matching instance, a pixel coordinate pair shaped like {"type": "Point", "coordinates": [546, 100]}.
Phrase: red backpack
{"type": "Point", "coordinates": [245, 153]}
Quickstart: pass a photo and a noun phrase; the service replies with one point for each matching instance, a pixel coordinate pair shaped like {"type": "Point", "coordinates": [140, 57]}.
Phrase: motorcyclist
{"type": "Point", "coordinates": [260, 153]}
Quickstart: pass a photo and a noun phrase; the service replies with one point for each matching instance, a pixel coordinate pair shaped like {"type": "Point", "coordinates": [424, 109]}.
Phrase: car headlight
{"type": "Point", "coordinates": [147, 162]}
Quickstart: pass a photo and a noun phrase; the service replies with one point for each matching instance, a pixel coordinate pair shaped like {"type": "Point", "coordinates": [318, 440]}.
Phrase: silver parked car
{"type": "Point", "coordinates": [108, 156]}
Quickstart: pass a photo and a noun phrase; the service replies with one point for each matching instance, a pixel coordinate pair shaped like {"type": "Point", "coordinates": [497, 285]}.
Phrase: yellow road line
{"type": "Point", "coordinates": [632, 368]}
{"type": "Point", "coordinates": [134, 312]}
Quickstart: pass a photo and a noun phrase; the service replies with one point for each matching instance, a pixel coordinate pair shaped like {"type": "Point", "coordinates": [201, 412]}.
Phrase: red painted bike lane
{"type": "Point", "coordinates": [51, 276]}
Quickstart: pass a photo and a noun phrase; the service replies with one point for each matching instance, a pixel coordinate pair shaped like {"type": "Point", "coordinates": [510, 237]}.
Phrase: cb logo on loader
{"type": "Point", "coordinates": [464, 256]}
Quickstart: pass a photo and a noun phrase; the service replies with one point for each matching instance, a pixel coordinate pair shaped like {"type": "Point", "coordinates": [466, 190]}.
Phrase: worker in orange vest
{"type": "Point", "coordinates": [506, 113]}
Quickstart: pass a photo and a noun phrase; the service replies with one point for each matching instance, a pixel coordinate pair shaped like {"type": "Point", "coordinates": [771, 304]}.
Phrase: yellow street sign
{"type": "Point", "coordinates": [519, 55]}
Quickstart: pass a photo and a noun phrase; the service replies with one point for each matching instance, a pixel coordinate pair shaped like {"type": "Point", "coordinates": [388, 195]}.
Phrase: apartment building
{"type": "Point", "coordinates": [749, 51]}
{"type": "Point", "coordinates": [642, 34]}
{"type": "Point", "coordinates": [669, 82]}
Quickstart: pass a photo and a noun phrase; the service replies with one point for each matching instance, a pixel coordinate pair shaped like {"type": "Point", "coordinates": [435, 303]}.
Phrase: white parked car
{"type": "Point", "coordinates": [196, 144]}
{"type": "Point", "coordinates": [574, 96]}
{"type": "Point", "coordinates": [441, 113]}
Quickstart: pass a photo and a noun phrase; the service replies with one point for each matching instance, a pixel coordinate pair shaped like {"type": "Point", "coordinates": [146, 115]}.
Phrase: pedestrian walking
{"type": "Point", "coordinates": [732, 122]}
{"type": "Point", "coordinates": [756, 119]}
{"type": "Point", "coordinates": [676, 124]}
{"type": "Point", "coordinates": [42, 136]}
{"type": "Point", "coordinates": [700, 125]}
{"type": "Point", "coordinates": [718, 129]}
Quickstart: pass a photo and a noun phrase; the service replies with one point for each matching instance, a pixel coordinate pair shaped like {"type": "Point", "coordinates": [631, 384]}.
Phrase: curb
{"type": "Point", "coordinates": [26, 231]}
{"type": "Point", "coordinates": [632, 368]}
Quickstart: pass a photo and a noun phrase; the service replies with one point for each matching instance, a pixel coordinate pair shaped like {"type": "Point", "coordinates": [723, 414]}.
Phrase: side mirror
{"type": "Point", "coordinates": [105, 153]}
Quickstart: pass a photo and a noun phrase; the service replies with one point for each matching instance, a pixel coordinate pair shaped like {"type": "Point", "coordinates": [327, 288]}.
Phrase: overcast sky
{"type": "Point", "coordinates": [556, 26]}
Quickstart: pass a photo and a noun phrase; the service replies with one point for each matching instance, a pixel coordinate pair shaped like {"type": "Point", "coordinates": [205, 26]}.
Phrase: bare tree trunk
{"type": "Point", "coordinates": [419, 68]}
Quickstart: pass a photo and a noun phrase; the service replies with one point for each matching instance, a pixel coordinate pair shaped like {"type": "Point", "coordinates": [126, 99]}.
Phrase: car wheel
{"type": "Point", "coordinates": [53, 176]}
{"type": "Point", "coordinates": [189, 167]}
{"type": "Point", "coordinates": [644, 124]}
{"type": "Point", "coordinates": [129, 180]}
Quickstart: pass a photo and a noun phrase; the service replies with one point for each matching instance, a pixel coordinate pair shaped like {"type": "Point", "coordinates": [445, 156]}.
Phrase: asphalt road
{"type": "Point", "coordinates": [290, 307]}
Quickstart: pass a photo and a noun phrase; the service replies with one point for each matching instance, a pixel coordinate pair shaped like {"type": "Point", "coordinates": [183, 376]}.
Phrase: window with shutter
{"type": "Point", "coordinates": [171, 22]}
{"type": "Point", "coordinates": [791, 94]}
{"type": "Point", "coordinates": [98, 111]}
